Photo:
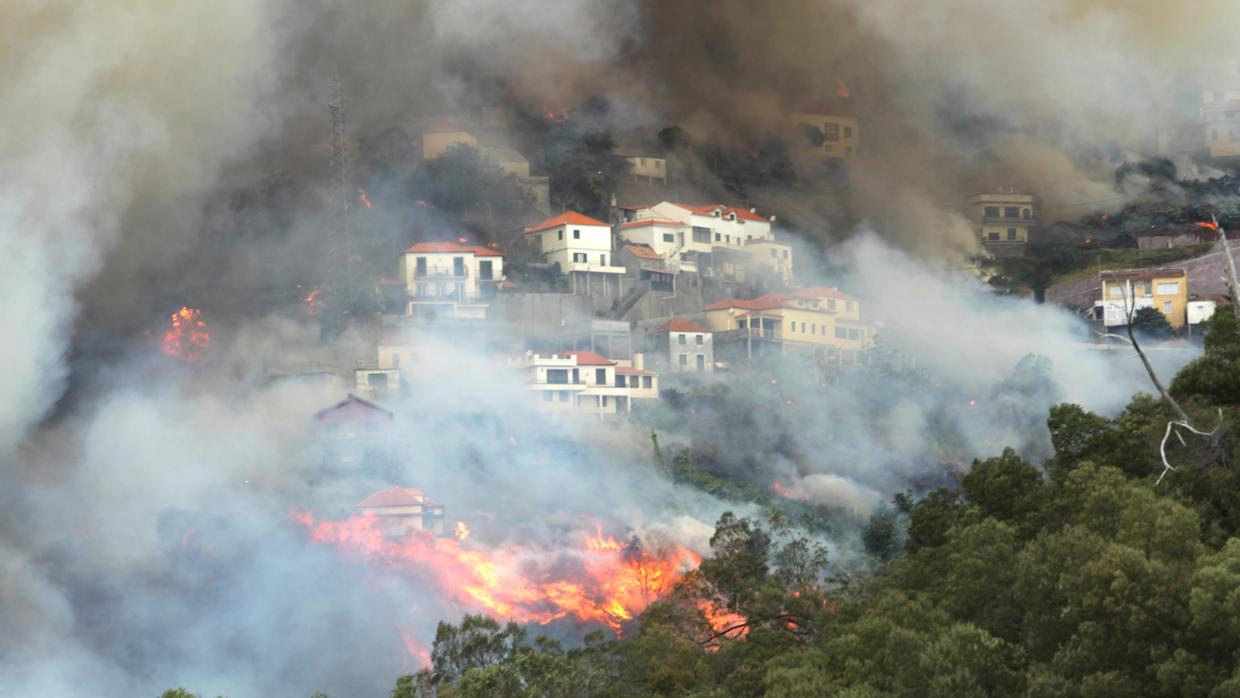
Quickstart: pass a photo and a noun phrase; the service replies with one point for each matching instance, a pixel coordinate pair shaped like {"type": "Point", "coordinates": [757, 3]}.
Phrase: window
{"type": "Point", "coordinates": [1011, 212]}
{"type": "Point", "coordinates": [699, 339]}
{"type": "Point", "coordinates": [619, 381]}
{"type": "Point", "coordinates": [643, 161]}
{"type": "Point", "coordinates": [1230, 115]}
{"type": "Point", "coordinates": [564, 396]}
{"type": "Point", "coordinates": [559, 235]}
{"type": "Point", "coordinates": [1168, 289]}
{"type": "Point", "coordinates": [1166, 307]}
{"type": "Point", "coordinates": [396, 360]}
{"type": "Point", "coordinates": [1218, 95]}
{"type": "Point", "coordinates": [576, 234]}
{"type": "Point", "coordinates": [1233, 134]}
{"type": "Point", "coordinates": [484, 270]}
{"type": "Point", "coordinates": [333, 428]}
{"type": "Point", "coordinates": [1117, 292]}
{"type": "Point", "coordinates": [992, 236]}
{"type": "Point", "coordinates": [853, 333]}
{"type": "Point", "coordinates": [717, 237]}
{"type": "Point", "coordinates": [647, 382]}
{"type": "Point", "coordinates": [848, 133]}
{"type": "Point", "coordinates": [802, 328]}
{"type": "Point", "coordinates": [602, 260]}
{"type": "Point", "coordinates": [680, 339]}
{"type": "Point", "coordinates": [420, 267]}
{"type": "Point", "coordinates": [421, 290]}
{"type": "Point", "coordinates": [774, 254]}
{"type": "Point", "coordinates": [669, 237]}
{"type": "Point", "coordinates": [830, 304]}
{"type": "Point", "coordinates": [841, 333]}
{"type": "Point", "coordinates": [701, 234]}
{"type": "Point", "coordinates": [831, 131]}
{"type": "Point", "coordinates": [683, 360]}
{"type": "Point", "coordinates": [991, 212]}
{"type": "Point", "coordinates": [1011, 233]}
{"type": "Point", "coordinates": [848, 306]}
{"type": "Point", "coordinates": [848, 151]}
{"type": "Point", "coordinates": [658, 164]}
{"type": "Point", "coordinates": [579, 257]}
{"type": "Point", "coordinates": [813, 329]}
{"type": "Point", "coordinates": [792, 327]}
{"type": "Point", "coordinates": [1024, 213]}
{"type": "Point", "coordinates": [557, 376]}
{"type": "Point", "coordinates": [548, 396]}
{"type": "Point", "coordinates": [600, 376]}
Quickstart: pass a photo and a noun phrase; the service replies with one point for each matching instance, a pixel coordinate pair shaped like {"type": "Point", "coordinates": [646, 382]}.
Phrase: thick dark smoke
{"type": "Point", "coordinates": [145, 535]}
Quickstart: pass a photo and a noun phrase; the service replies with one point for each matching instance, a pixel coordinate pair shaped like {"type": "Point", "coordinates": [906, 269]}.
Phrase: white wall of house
{"type": "Point", "coordinates": [707, 230]}
{"type": "Point", "coordinates": [579, 248]}
{"type": "Point", "coordinates": [448, 275]}
{"type": "Point", "coordinates": [648, 167]}
{"type": "Point", "coordinates": [690, 352]}
{"type": "Point", "coordinates": [664, 238]}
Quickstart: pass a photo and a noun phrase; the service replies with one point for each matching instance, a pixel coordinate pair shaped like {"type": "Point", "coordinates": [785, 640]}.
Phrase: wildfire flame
{"type": "Point", "coordinates": [730, 625]}
{"type": "Point", "coordinates": [462, 531]}
{"type": "Point", "coordinates": [603, 582]}
{"type": "Point", "coordinates": [187, 336]}
{"type": "Point", "coordinates": [841, 90]}
{"type": "Point", "coordinates": [558, 117]}
{"type": "Point", "coordinates": [363, 198]}
{"type": "Point", "coordinates": [1208, 225]}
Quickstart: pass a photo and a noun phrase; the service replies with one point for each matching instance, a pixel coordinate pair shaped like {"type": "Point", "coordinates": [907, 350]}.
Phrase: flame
{"type": "Point", "coordinates": [727, 624]}
{"type": "Point", "coordinates": [558, 117]}
{"type": "Point", "coordinates": [362, 197]}
{"type": "Point", "coordinates": [462, 531]}
{"type": "Point", "coordinates": [598, 542]}
{"type": "Point", "coordinates": [462, 239]}
{"type": "Point", "coordinates": [841, 90]}
{"type": "Point", "coordinates": [187, 336]}
{"type": "Point", "coordinates": [604, 583]}
{"type": "Point", "coordinates": [1208, 225]}
{"type": "Point", "coordinates": [416, 651]}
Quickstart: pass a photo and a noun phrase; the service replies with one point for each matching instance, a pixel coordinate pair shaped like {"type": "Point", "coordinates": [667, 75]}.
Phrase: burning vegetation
{"type": "Point", "coordinates": [187, 335]}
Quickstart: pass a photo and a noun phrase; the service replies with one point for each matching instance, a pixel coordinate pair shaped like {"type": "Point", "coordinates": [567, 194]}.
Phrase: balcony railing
{"type": "Point", "coordinates": [442, 272]}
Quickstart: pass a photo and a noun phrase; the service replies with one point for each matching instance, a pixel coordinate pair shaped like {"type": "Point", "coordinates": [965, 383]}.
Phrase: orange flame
{"type": "Point", "coordinates": [1208, 225]}
{"type": "Point", "coordinates": [728, 624]}
{"type": "Point", "coordinates": [558, 117]}
{"type": "Point", "coordinates": [187, 336]}
{"type": "Point", "coordinates": [362, 197]}
{"type": "Point", "coordinates": [416, 651]}
{"type": "Point", "coordinates": [462, 531]}
{"type": "Point", "coordinates": [608, 585]}
{"type": "Point", "coordinates": [841, 90]}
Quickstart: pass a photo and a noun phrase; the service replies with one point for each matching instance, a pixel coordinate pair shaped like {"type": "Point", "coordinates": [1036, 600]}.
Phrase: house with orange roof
{"type": "Point", "coordinates": [400, 511]}
{"type": "Point", "coordinates": [585, 382]}
{"type": "Point", "coordinates": [352, 429]}
{"type": "Point", "coordinates": [823, 322]}
{"type": "Point", "coordinates": [838, 124]}
{"type": "Point", "coordinates": [645, 265]}
{"type": "Point", "coordinates": [582, 247]}
{"type": "Point", "coordinates": [450, 279]}
{"type": "Point", "coordinates": [685, 345]}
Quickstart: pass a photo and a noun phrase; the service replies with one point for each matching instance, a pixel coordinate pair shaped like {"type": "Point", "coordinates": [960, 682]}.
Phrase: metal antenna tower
{"type": "Point", "coordinates": [341, 209]}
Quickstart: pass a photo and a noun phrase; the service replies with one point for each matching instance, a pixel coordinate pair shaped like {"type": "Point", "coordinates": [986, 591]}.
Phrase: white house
{"type": "Point", "coordinates": [449, 279]}
{"type": "Point", "coordinates": [582, 247]}
{"type": "Point", "coordinates": [647, 167]}
{"type": "Point", "coordinates": [402, 510]}
{"type": "Point", "coordinates": [587, 383]}
{"type": "Point", "coordinates": [708, 236]}
{"type": "Point", "coordinates": [689, 347]}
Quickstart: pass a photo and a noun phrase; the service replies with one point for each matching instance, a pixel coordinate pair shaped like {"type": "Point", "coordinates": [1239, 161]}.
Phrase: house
{"type": "Point", "coordinates": [1125, 291]}
{"type": "Point", "coordinates": [1002, 217]}
{"type": "Point", "coordinates": [724, 242]}
{"type": "Point", "coordinates": [839, 126]}
{"type": "Point", "coordinates": [641, 262]}
{"type": "Point", "coordinates": [825, 323]}
{"type": "Point", "coordinates": [449, 279]}
{"type": "Point", "coordinates": [687, 346]}
{"type": "Point", "coordinates": [1167, 239]}
{"type": "Point", "coordinates": [438, 139]}
{"type": "Point", "coordinates": [516, 164]}
{"type": "Point", "coordinates": [403, 510]}
{"type": "Point", "coordinates": [587, 383]}
{"type": "Point", "coordinates": [1220, 111]}
{"type": "Point", "coordinates": [647, 167]}
{"type": "Point", "coordinates": [582, 248]}
{"type": "Point", "coordinates": [352, 428]}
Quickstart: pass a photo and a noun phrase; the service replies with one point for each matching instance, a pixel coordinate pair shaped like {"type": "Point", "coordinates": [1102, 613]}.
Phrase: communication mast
{"type": "Point", "coordinates": [340, 231]}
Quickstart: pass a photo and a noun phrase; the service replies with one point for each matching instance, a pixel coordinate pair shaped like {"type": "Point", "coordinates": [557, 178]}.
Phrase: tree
{"type": "Point", "coordinates": [1149, 322]}
{"type": "Point", "coordinates": [583, 169]}
{"type": "Point", "coordinates": [461, 182]}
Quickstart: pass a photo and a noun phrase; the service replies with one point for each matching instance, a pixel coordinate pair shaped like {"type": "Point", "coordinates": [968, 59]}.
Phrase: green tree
{"type": "Point", "coordinates": [1149, 322]}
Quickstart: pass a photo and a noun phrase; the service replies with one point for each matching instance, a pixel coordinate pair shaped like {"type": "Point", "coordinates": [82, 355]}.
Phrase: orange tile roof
{"type": "Point", "coordinates": [768, 302]}
{"type": "Point", "coordinates": [643, 251]}
{"type": "Point", "coordinates": [629, 371]}
{"type": "Point", "coordinates": [446, 127]}
{"type": "Point", "coordinates": [709, 210]}
{"type": "Point", "coordinates": [452, 248]}
{"type": "Point", "coordinates": [679, 325]}
{"type": "Point", "coordinates": [589, 358]}
{"type": "Point", "coordinates": [648, 221]}
{"type": "Point", "coordinates": [569, 218]}
{"type": "Point", "coordinates": [395, 497]}
{"type": "Point", "coordinates": [351, 399]}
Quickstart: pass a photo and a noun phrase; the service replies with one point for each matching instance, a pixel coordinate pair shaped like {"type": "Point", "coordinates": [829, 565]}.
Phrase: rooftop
{"type": "Point", "coordinates": [643, 251]}
{"type": "Point", "coordinates": [648, 221]}
{"type": "Point", "coordinates": [589, 358]}
{"type": "Point", "coordinates": [567, 218]}
{"type": "Point", "coordinates": [352, 399]}
{"type": "Point", "coordinates": [396, 497]}
{"type": "Point", "coordinates": [1141, 274]}
{"type": "Point", "coordinates": [679, 325]}
{"type": "Point", "coordinates": [452, 248]}
{"type": "Point", "coordinates": [709, 210]}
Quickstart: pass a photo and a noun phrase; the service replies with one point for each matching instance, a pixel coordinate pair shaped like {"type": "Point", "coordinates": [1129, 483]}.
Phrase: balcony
{"type": "Point", "coordinates": [441, 272]}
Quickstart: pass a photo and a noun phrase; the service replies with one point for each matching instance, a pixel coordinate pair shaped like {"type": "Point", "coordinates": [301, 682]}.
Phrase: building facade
{"type": "Point", "coordinates": [449, 279]}
{"type": "Point", "coordinates": [438, 139]}
{"type": "Point", "coordinates": [1128, 291]}
{"type": "Point", "coordinates": [582, 247]}
{"type": "Point", "coordinates": [1003, 218]}
{"type": "Point", "coordinates": [403, 510]}
{"type": "Point", "coordinates": [840, 129]}
{"type": "Point", "coordinates": [687, 346]}
{"type": "Point", "coordinates": [586, 383]}
{"type": "Point", "coordinates": [824, 322]}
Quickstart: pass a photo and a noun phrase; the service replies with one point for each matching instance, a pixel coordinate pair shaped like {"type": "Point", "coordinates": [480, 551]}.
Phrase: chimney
{"type": "Point", "coordinates": [639, 360]}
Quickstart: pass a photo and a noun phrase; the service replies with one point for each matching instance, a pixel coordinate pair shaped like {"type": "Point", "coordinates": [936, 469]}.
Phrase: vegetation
{"type": "Point", "coordinates": [1058, 263]}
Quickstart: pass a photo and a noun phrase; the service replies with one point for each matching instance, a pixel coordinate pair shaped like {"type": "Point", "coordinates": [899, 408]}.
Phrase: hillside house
{"type": "Point", "coordinates": [350, 429]}
{"type": "Point", "coordinates": [641, 262]}
{"type": "Point", "coordinates": [441, 137]}
{"type": "Point", "coordinates": [403, 510]}
{"type": "Point", "coordinates": [582, 247]}
{"type": "Point", "coordinates": [646, 167]}
{"type": "Point", "coordinates": [824, 323]}
{"type": "Point", "coordinates": [1123, 292]}
{"type": "Point", "coordinates": [839, 126]}
{"type": "Point", "coordinates": [686, 346]}
{"type": "Point", "coordinates": [724, 242]}
{"type": "Point", "coordinates": [584, 382]}
{"type": "Point", "coordinates": [449, 279]}
{"type": "Point", "coordinates": [1003, 218]}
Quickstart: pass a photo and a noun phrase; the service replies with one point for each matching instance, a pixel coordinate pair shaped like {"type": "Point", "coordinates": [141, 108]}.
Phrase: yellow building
{"type": "Point", "coordinates": [824, 322]}
{"type": "Point", "coordinates": [1121, 291]}
{"type": "Point", "coordinates": [437, 139]}
{"type": "Point", "coordinates": [841, 129]}
{"type": "Point", "coordinates": [1003, 218]}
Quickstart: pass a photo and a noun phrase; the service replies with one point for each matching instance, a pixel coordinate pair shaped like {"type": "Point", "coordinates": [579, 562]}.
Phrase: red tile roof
{"type": "Point", "coordinates": [351, 399]}
{"type": "Point", "coordinates": [446, 127]}
{"type": "Point", "coordinates": [709, 210]}
{"type": "Point", "coordinates": [628, 371]}
{"type": "Point", "coordinates": [452, 248]}
{"type": "Point", "coordinates": [643, 251]}
{"type": "Point", "coordinates": [395, 497]}
{"type": "Point", "coordinates": [648, 221]}
{"type": "Point", "coordinates": [569, 218]}
{"type": "Point", "coordinates": [679, 325]}
{"type": "Point", "coordinates": [768, 302]}
{"type": "Point", "coordinates": [821, 292]}
{"type": "Point", "coordinates": [589, 358]}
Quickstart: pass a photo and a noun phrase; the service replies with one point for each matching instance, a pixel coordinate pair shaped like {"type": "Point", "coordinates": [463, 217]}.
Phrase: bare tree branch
{"type": "Point", "coordinates": [1234, 282]}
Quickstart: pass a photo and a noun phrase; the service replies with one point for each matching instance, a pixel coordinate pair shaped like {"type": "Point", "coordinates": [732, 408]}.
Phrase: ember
{"type": "Point", "coordinates": [603, 582]}
{"type": "Point", "coordinates": [462, 531]}
{"type": "Point", "coordinates": [841, 90]}
{"type": "Point", "coordinates": [363, 198]}
{"type": "Point", "coordinates": [187, 336]}
{"type": "Point", "coordinates": [558, 117]}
